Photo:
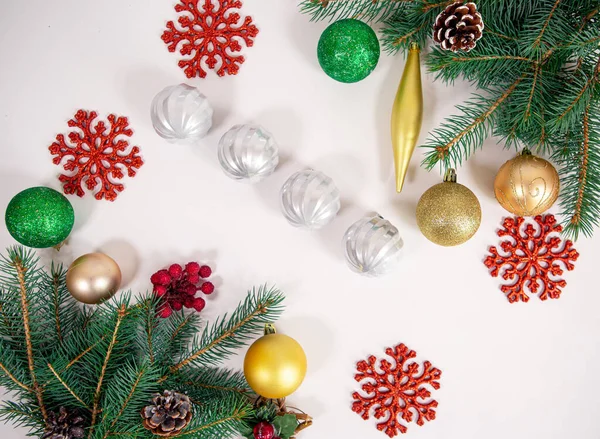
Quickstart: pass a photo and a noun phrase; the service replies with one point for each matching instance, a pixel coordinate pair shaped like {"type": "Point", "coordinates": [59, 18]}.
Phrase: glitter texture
{"type": "Point", "coordinates": [39, 217]}
{"type": "Point", "coordinates": [448, 214]}
{"type": "Point", "coordinates": [348, 50]}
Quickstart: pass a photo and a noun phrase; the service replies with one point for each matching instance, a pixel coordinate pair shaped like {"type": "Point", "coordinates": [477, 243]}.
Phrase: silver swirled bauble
{"type": "Point", "coordinates": [248, 152]}
{"type": "Point", "coordinates": [373, 246]}
{"type": "Point", "coordinates": [310, 199]}
{"type": "Point", "coordinates": [181, 113]}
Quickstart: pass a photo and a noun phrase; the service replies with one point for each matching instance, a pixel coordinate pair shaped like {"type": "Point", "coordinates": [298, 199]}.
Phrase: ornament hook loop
{"type": "Point", "coordinates": [450, 176]}
{"type": "Point", "coordinates": [270, 329]}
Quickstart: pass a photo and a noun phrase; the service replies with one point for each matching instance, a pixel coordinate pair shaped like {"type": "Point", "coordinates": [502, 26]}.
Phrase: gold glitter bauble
{"type": "Point", "coordinates": [527, 185]}
{"type": "Point", "coordinates": [93, 278]}
{"type": "Point", "coordinates": [448, 213]}
{"type": "Point", "coordinates": [275, 365]}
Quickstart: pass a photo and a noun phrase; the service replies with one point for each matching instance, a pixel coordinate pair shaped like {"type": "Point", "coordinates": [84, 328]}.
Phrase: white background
{"type": "Point", "coordinates": [518, 371]}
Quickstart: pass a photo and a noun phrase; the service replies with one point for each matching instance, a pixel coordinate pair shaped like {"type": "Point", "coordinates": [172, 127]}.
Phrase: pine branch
{"type": "Point", "coordinates": [18, 257]}
{"type": "Point", "coordinates": [22, 415]}
{"type": "Point", "coordinates": [459, 136]}
{"type": "Point", "coordinates": [204, 384]}
{"type": "Point", "coordinates": [129, 390]}
{"type": "Point", "coordinates": [218, 341]}
{"type": "Point", "coordinates": [579, 161]}
{"type": "Point", "coordinates": [95, 410]}
{"type": "Point", "coordinates": [14, 379]}
{"type": "Point", "coordinates": [366, 10]}
{"type": "Point", "coordinates": [66, 386]}
{"type": "Point", "coordinates": [221, 419]}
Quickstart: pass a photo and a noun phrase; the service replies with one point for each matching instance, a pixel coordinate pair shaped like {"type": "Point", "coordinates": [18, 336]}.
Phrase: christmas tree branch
{"type": "Point", "coordinates": [442, 152]}
{"type": "Point", "coordinates": [428, 6]}
{"type": "Point", "coordinates": [21, 269]}
{"type": "Point", "coordinates": [218, 341]}
{"type": "Point", "coordinates": [537, 42]}
{"type": "Point", "coordinates": [367, 10]}
{"type": "Point", "coordinates": [583, 173]}
{"type": "Point", "coordinates": [84, 353]}
{"type": "Point", "coordinates": [120, 316]}
{"type": "Point", "coordinates": [14, 379]}
{"type": "Point", "coordinates": [66, 386]}
{"type": "Point", "coordinates": [56, 302]}
{"type": "Point", "coordinates": [134, 387]}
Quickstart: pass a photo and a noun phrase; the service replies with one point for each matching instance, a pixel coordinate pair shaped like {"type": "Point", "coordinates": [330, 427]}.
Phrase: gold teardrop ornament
{"type": "Point", "coordinates": [407, 114]}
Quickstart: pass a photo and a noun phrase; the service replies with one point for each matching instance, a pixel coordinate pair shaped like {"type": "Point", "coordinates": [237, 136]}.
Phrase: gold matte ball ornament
{"type": "Point", "coordinates": [275, 365]}
{"type": "Point", "coordinates": [448, 213]}
{"type": "Point", "coordinates": [527, 185]}
{"type": "Point", "coordinates": [93, 278]}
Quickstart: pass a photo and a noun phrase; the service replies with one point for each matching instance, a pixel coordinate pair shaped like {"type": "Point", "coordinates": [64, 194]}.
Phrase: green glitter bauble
{"type": "Point", "coordinates": [39, 217]}
{"type": "Point", "coordinates": [348, 50]}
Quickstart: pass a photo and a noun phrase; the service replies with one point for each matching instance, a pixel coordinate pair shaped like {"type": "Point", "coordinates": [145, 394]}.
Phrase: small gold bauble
{"type": "Point", "coordinates": [275, 365]}
{"type": "Point", "coordinates": [93, 278]}
{"type": "Point", "coordinates": [527, 185]}
{"type": "Point", "coordinates": [448, 213]}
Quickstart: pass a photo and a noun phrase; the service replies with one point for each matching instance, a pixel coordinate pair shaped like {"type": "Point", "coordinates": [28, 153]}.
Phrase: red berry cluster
{"type": "Point", "coordinates": [178, 286]}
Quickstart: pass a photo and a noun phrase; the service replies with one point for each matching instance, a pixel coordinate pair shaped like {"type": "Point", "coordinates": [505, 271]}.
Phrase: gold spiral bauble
{"type": "Point", "coordinates": [527, 185]}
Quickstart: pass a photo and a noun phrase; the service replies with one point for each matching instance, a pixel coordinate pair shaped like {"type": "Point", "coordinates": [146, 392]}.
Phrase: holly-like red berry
{"type": "Point", "coordinates": [205, 271]}
{"type": "Point", "coordinates": [199, 304]}
{"type": "Point", "coordinates": [264, 430]}
{"type": "Point", "coordinates": [175, 271]}
{"type": "Point", "coordinates": [192, 268]}
{"type": "Point", "coordinates": [161, 277]}
{"type": "Point", "coordinates": [207, 288]}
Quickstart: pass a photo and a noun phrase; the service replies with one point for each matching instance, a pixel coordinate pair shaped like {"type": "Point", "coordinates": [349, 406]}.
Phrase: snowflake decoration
{"type": "Point", "coordinates": [398, 390]}
{"type": "Point", "coordinates": [210, 34]}
{"type": "Point", "coordinates": [96, 156]}
{"type": "Point", "coordinates": [533, 258]}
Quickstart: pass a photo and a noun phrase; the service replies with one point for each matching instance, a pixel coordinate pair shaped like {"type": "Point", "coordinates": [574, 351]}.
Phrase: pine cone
{"type": "Point", "coordinates": [168, 414]}
{"type": "Point", "coordinates": [458, 27]}
{"type": "Point", "coordinates": [65, 425]}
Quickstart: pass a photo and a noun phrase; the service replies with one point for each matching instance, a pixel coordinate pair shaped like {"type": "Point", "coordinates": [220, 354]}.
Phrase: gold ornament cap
{"type": "Point", "coordinates": [275, 365]}
{"type": "Point", "coordinates": [449, 213]}
{"type": "Point", "coordinates": [527, 185]}
{"type": "Point", "coordinates": [93, 278]}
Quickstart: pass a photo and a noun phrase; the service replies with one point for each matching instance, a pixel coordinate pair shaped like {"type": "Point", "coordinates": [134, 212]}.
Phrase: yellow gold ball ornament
{"type": "Point", "coordinates": [275, 365]}
{"type": "Point", "coordinates": [448, 213]}
{"type": "Point", "coordinates": [527, 185]}
{"type": "Point", "coordinates": [93, 278]}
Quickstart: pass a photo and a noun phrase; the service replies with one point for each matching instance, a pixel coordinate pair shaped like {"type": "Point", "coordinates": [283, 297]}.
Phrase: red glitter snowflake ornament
{"type": "Point", "coordinates": [211, 35]}
{"type": "Point", "coordinates": [533, 258]}
{"type": "Point", "coordinates": [399, 390]}
{"type": "Point", "coordinates": [96, 156]}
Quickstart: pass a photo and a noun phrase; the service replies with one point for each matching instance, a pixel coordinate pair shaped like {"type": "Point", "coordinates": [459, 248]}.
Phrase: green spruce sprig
{"type": "Point", "coordinates": [106, 362]}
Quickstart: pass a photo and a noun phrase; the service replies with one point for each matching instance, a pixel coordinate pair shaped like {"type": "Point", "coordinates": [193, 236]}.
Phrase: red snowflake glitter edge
{"type": "Point", "coordinates": [97, 156]}
{"type": "Point", "coordinates": [213, 34]}
{"type": "Point", "coordinates": [398, 390]}
{"type": "Point", "coordinates": [532, 258]}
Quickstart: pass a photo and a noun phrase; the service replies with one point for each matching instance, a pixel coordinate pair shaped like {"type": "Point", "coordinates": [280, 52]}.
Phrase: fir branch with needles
{"type": "Point", "coordinates": [102, 365]}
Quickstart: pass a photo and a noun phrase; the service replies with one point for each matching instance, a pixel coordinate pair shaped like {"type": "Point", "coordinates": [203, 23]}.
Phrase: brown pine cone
{"type": "Point", "coordinates": [168, 414]}
{"type": "Point", "coordinates": [64, 425]}
{"type": "Point", "coordinates": [458, 27]}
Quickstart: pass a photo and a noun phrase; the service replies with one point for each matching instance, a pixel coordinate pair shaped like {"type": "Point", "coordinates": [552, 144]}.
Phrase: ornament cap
{"type": "Point", "coordinates": [414, 47]}
{"type": "Point", "coordinates": [270, 329]}
{"type": "Point", "coordinates": [450, 176]}
{"type": "Point", "coordinates": [526, 151]}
